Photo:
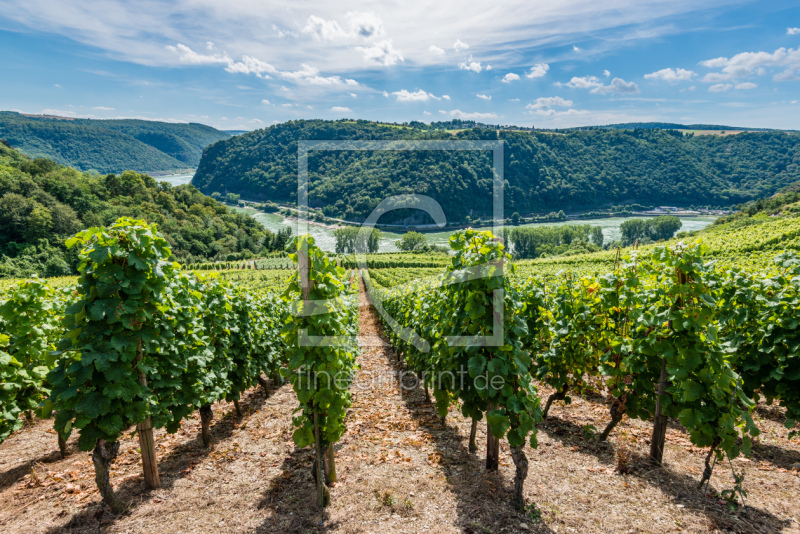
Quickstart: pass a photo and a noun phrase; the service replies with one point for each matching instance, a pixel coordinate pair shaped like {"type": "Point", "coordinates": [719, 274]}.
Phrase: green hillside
{"type": "Point", "coordinates": [109, 145]}
{"type": "Point", "coordinates": [43, 203]}
{"type": "Point", "coordinates": [544, 171]}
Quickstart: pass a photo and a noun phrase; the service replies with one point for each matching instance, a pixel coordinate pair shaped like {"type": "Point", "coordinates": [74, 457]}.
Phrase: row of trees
{"type": "Point", "coordinates": [648, 230]}
{"type": "Point", "coordinates": [348, 241]}
{"type": "Point", "coordinates": [536, 241]}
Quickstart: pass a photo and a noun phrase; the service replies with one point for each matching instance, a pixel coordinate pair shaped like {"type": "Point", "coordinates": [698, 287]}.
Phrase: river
{"type": "Point", "coordinates": [325, 240]}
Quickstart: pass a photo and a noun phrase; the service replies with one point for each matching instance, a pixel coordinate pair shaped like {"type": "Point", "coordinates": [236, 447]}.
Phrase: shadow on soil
{"type": "Point", "coordinates": [683, 488]}
{"type": "Point", "coordinates": [176, 465]}
{"type": "Point", "coordinates": [292, 498]}
{"type": "Point", "coordinates": [484, 498]}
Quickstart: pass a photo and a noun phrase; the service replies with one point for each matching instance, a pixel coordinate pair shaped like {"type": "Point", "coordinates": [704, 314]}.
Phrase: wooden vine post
{"type": "Point", "coordinates": [660, 420]}
{"type": "Point", "coordinates": [492, 446]}
{"type": "Point", "coordinates": [145, 430]}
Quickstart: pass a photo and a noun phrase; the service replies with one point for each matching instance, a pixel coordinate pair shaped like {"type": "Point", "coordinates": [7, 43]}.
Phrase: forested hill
{"type": "Point", "coordinates": [43, 203]}
{"type": "Point", "coordinates": [544, 171]}
{"type": "Point", "coordinates": [109, 145]}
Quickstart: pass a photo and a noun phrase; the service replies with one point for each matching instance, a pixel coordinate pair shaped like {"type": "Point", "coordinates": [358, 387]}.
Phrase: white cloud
{"type": "Point", "coordinates": [720, 88]}
{"type": "Point", "coordinates": [513, 99]}
{"type": "Point", "coordinates": [382, 53]}
{"type": "Point", "coordinates": [745, 85]}
{"type": "Point", "coordinates": [460, 45]}
{"type": "Point", "coordinates": [287, 105]}
{"type": "Point", "coordinates": [475, 116]}
{"type": "Point", "coordinates": [386, 94]}
{"type": "Point", "coordinates": [575, 48]}
{"type": "Point", "coordinates": [416, 96]}
{"type": "Point", "coordinates": [341, 109]}
{"type": "Point", "coordinates": [306, 73]}
{"type": "Point", "coordinates": [58, 112]}
{"type": "Point", "coordinates": [474, 66]}
{"type": "Point", "coordinates": [324, 30]}
{"type": "Point", "coordinates": [483, 96]}
{"type": "Point", "coordinates": [585, 82]}
{"type": "Point", "coordinates": [436, 50]}
{"type": "Point", "coordinates": [607, 73]}
{"type": "Point", "coordinates": [617, 85]}
{"type": "Point", "coordinates": [547, 102]}
{"type": "Point", "coordinates": [103, 108]}
{"type": "Point", "coordinates": [426, 112]}
{"type": "Point", "coordinates": [366, 25]}
{"type": "Point", "coordinates": [210, 45]}
{"type": "Point", "coordinates": [446, 97]}
{"type": "Point", "coordinates": [190, 57]}
{"type": "Point", "coordinates": [748, 64]}
{"type": "Point", "coordinates": [265, 102]}
{"type": "Point", "coordinates": [692, 88]}
{"type": "Point", "coordinates": [353, 95]}
{"type": "Point", "coordinates": [56, 85]}
{"type": "Point", "coordinates": [127, 31]}
{"type": "Point", "coordinates": [792, 31]}
{"type": "Point", "coordinates": [672, 76]}
{"type": "Point", "coordinates": [510, 77]}
{"type": "Point", "coordinates": [251, 65]}
{"type": "Point", "coordinates": [538, 70]}
{"type": "Point", "coordinates": [256, 121]}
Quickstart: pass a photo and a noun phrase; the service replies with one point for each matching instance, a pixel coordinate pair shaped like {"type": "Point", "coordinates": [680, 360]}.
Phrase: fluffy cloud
{"type": "Point", "coordinates": [474, 66]}
{"type": "Point", "coordinates": [265, 102]}
{"type": "Point", "coordinates": [618, 86]}
{"type": "Point", "coordinates": [306, 73]}
{"type": "Point", "coordinates": [510, 77]}
{"type": "Point", "coordinates": [341, 109]}
{"type": "Point", "coordinates": [575, 48]}
{"type": "Point", "coordinates": [416, 96]}
{"type": "Point", "coordinates": [607, 73]}
{"type": "Point", "coordinates": [433, 49]}
{"type": "Point", "coordinates": [251, 65]}
{"type": "Point", "coordinates": [446, 97]}
{"type": "Point", "coordinates": [672, 76]}
{"type": "Point", "coordinates": [720, 88]}
{"type": "Point", "coordinates": [538, 70]}
{"type": "Point", "coordinates": [748, 64]}
{"type": "Point", "coordinates": [483, 96]}
{"type": "Point", "coordinates": [382, 53]}
{"type": "Point", "coordinates": [585, 82]}
{"type": "Point", "coordinates": [792, 31]}
{"type": "Point", "coordinates": [745, 85]}
{"type": "Point", "coordinates": [365, 24]}
{"type": "Point", "coordinates": [460, 45]}
{"type": "Point", "coordinates": [190, 57]}
{"type": "Point", "coordinates": [475, 116]}
{"type": "Point", "coordinates": [547, 102]}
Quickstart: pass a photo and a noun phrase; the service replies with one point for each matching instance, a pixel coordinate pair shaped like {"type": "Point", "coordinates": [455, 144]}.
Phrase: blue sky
{"type": "Point", "coordinates": [246, 64]}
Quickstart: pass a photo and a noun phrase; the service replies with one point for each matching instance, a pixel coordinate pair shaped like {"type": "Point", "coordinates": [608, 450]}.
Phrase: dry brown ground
{"type": "Point", "coordinates": [400, 471]}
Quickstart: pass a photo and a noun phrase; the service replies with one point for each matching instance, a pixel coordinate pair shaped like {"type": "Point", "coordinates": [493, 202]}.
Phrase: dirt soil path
{"type": "Point", "coordinates": [400, 471]}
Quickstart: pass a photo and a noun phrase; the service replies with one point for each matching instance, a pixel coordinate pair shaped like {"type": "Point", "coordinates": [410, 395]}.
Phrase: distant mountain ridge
{"type": "Point", "coordinates": [109, 145]}
{"type": "Point", "coordinates": [544, 171]}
